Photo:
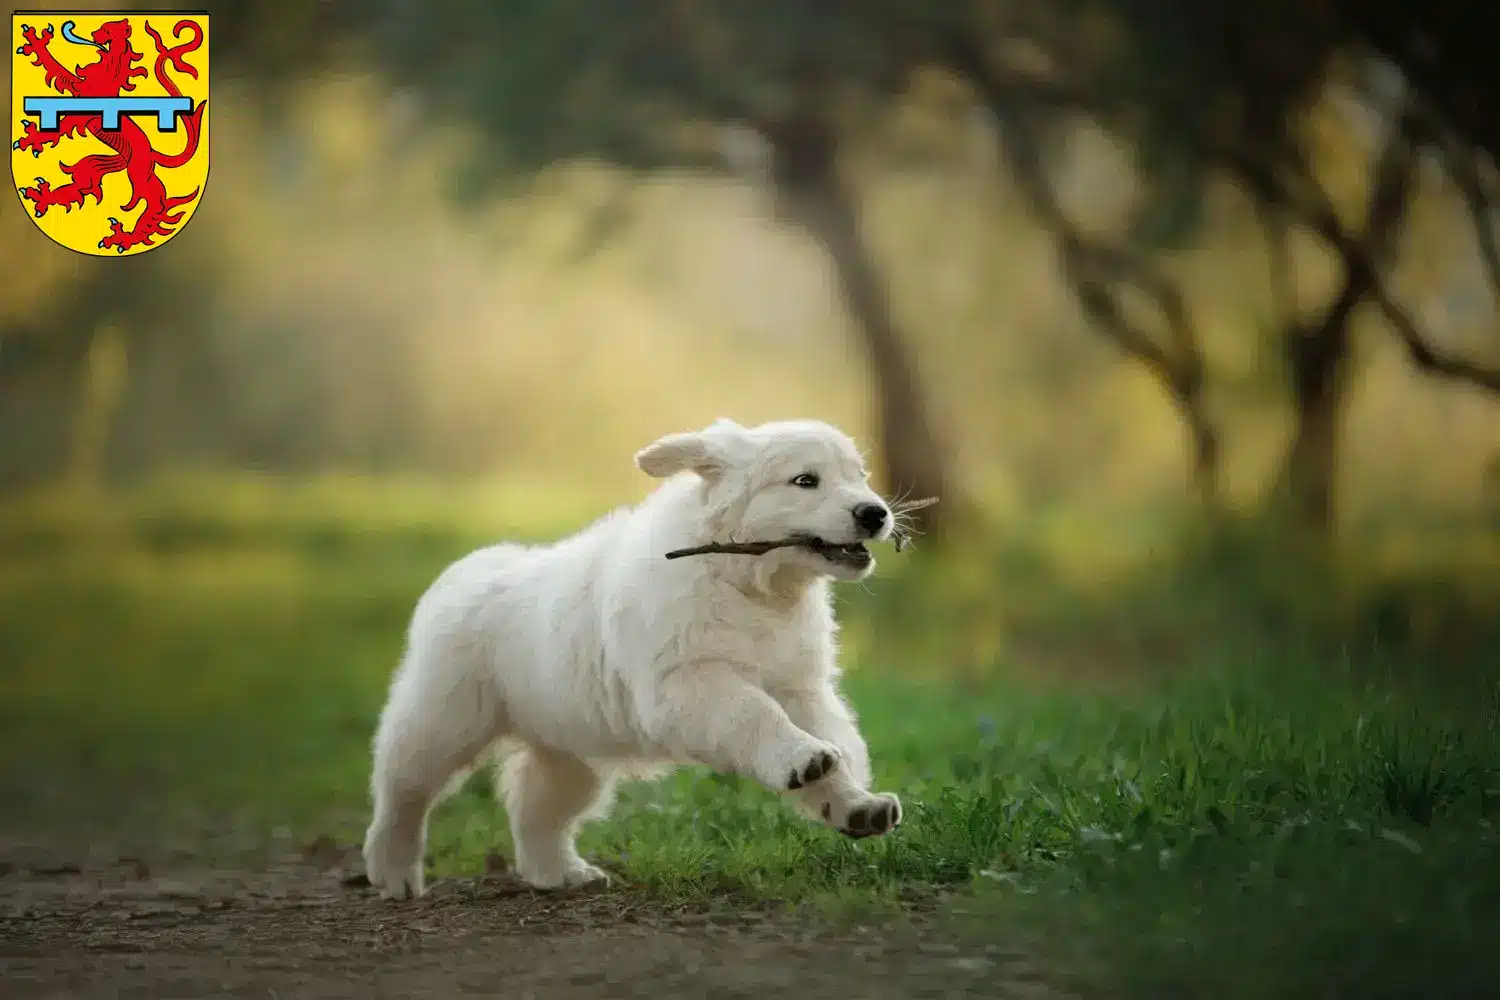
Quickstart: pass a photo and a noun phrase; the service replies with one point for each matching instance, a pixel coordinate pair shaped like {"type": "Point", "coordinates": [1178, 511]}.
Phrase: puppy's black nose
{"type": "Point", "coordinates": [871, 517]}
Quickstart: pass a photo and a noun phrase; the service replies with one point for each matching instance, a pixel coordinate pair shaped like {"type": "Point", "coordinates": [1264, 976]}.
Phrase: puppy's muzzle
{"type": "Point", "coordinates": [871, 518]}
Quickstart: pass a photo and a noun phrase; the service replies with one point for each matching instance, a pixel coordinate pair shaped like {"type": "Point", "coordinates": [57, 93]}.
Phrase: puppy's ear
{"type": "Point", "coordinates": [707, 452]}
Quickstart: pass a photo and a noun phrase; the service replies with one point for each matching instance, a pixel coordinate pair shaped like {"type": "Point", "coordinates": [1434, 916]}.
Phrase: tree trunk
{"type": "Point", "coordinates": [1094, 269]}
{"type": "Point", "coordinates": [1179, 370]}
{"type": "Point", "coordinates": [1318, 375]}
{"type": "Point", "coordinates": [1205, 457]}
{"type": "Point", "coordinates": [1318, 358]}
{"type": "Point", "coordinates": [811, 192]}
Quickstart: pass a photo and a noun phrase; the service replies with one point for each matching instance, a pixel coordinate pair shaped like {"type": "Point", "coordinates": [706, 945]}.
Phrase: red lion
{"type": "Point", "coordinates": [108, 76]}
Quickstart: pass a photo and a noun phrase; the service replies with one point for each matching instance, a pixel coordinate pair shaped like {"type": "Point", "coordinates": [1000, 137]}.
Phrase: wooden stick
{"type": "Point", "coordinates": [736, 548]}
{"type": "Point", "coordinates": [900, 535]}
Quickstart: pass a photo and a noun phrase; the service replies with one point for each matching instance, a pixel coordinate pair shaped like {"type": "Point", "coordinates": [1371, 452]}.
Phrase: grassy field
{"type": "Point", "coordinates": [1276, 821]}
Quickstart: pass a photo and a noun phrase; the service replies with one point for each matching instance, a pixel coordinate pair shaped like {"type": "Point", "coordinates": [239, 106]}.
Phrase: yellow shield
{"type": "Point", "coordinates": [109, 125]}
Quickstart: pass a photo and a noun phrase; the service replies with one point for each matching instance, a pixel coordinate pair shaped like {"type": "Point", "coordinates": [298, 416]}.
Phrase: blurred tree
{"type": "Point", "coordinates": [1317, 350]}
{"type": "Point", "coordinates": [1096, 268]}
{"type": "Point", "coordinates": [68, 363]}
{"type": "Point", "coordinates": [1198, 91]}
{"type": "Point", "coordinates": [273, 43]}
{"type": "Point", "coordinates": [68, 324]}
{"type": "Point", "coordinates": [654, 85]}
{"type": "Point", "coordinates": [1204, 89]}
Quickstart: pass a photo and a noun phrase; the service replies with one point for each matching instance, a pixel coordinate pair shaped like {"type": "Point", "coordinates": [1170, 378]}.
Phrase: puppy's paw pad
{"type": "Point", "coordinates": [879, 816]}
{"type": "Point", "coordinates": [819, 766]}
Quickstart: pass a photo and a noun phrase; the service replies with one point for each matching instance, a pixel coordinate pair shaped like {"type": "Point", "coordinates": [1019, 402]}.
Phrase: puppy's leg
{"type": "Point", "coordinates": [430, 730]}
{"type": "Point", "coordinates": [710, 714]}
{"type": "Point", "coordinates": [547, 794]}
{"type": "Point", "coordinates": [822, 712]}
{"type": "Point", "coordinates": [843, 802]}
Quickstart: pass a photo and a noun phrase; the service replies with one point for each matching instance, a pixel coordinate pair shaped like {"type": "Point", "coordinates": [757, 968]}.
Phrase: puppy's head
{"type": "Point", "coordinates": [798, 479]}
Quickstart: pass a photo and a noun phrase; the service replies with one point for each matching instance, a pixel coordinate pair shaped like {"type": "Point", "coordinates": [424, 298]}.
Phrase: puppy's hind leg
{"type": "Point", "coordinates": [434, 726]}
{"type": "Point", "coordinates": [547, 795]}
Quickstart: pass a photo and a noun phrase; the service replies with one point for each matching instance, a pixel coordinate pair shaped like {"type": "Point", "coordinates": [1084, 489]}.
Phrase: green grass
{"type": "Point", "coordinates": [1267, 826]}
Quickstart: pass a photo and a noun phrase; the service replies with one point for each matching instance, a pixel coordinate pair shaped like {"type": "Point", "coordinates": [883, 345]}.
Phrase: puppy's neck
{"type": "Point", "coordinates": [783, 586]}
{"type": "Point", "coordinates": [776, 586]}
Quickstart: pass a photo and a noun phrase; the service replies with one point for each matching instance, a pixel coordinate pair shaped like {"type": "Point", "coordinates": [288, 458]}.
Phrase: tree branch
{"type": "Point", "coordinates": [1093, 267]}
{"type": "Point", "coordinates": [1281, 275]}
{"type": "Point", "coordinates": [1278, 188]}
{"type": "Point", "coordinates": [1319, 216]}
{"type": "Point", "coordinates": [1463, 167]}
{"type": "Point", "coordinates": [738, 548]}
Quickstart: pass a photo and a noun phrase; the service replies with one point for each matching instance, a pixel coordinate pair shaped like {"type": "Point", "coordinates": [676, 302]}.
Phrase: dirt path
{"type": "Point", "coordinates": [122, 927]}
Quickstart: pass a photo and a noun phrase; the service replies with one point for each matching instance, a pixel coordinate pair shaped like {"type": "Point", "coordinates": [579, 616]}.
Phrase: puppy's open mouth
{"type": "Point", "coordinates": [854, 555]}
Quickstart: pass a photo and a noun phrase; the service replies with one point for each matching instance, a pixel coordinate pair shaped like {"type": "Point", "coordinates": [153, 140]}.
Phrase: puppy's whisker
{"type": "Point", "coordinates": [903, 528]}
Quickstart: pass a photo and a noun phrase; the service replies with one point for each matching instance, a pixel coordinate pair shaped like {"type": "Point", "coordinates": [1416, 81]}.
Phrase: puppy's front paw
{"type": "Point", "coordinates": [877, 815]}
{"type": "Point", "coordinates": [558, 873]}
{"type": "Point", "coordinates": [393, 860]}
{"type": "Point", "coordinates": [390, 874]}
{"type": "Point", "coordinates": [575, 874]}
{"type": "Point", "coordinates": [814, 768]}
{"type": "Point", "coordinates": [586, 875]}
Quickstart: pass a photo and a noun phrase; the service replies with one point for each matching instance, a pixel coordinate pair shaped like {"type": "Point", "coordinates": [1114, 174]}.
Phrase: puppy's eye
{"type": "Point", "coordinates": [806, 481]}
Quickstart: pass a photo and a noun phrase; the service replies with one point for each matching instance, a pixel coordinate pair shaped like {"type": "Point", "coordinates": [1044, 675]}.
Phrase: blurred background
{"type": "Point", "coordinates": [1187, 311]}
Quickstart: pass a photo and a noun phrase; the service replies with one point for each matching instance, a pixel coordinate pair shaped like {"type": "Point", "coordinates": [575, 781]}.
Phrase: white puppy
{"type": "Point", "coordinates": [597, 657]}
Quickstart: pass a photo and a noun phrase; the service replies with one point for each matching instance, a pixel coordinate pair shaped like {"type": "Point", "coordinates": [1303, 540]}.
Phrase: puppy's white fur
{"type": "Point", "coordinates": [596, 658]}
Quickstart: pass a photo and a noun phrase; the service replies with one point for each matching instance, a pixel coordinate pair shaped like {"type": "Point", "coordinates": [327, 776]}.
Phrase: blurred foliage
{"type": "Point", "coordinates": [552, 81]}
{"type": "Point", "coordinates": [457, 262]}
{"type": "Point", "coordinates": [334, 310]}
